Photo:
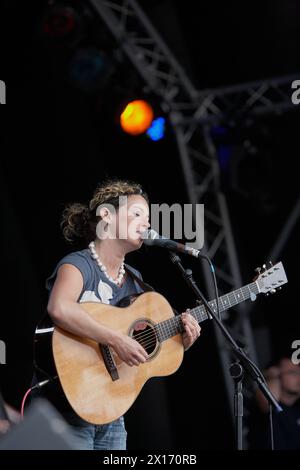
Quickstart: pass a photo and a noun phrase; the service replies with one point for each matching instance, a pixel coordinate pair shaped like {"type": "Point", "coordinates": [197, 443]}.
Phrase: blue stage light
{"type": "Point", "coordinates": [89, 69]}
{"type": "Point", "coordinates": [157, 129]}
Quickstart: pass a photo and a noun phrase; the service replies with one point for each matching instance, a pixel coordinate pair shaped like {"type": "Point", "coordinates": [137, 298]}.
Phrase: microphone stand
{"type": "Point", "coordinates": [242, 364]}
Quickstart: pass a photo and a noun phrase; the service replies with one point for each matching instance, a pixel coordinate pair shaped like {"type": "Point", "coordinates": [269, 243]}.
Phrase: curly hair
{"type": "Point", "coordinates": [80, 221]}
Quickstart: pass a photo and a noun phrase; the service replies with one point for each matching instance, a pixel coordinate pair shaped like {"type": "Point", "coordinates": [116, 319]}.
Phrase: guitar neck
{"type": "Point", "coordinates": [173, 326]}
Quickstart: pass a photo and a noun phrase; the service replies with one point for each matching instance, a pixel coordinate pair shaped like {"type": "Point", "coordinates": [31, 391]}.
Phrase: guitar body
{"type": "Point", "coordinates": [100, 393]}
{"type": "Point", "coordinates": [84, 376]}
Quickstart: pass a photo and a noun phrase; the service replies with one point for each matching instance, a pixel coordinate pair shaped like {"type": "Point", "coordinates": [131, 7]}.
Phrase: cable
{"type": "Point", "coordinates": [42, 371]}
{"type": "Point", "coordinates": [23, 402]}
{"type": "Point", "coordinates": [215, 283]}
{"type": "Point", "coordinates": [38, 385]}
{"type": "Point", "coordinates": [219, 316]}
{"type": "Point", "coordinates": [271, 426]}
{"type": "Point", "coordinates": [259, 373]}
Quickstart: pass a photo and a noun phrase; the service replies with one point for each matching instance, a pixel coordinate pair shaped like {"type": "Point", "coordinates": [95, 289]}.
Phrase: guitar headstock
{"type": "Point", "coordinates": [268, 280]}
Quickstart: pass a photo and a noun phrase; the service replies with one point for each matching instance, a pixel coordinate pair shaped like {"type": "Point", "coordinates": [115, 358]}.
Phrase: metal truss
{"type": "Point", "coordinates": [148, 53]}
{"type": "Point", "coordinates": [192, 114]}
{"type": "Point", "coordinates": [250, 99]}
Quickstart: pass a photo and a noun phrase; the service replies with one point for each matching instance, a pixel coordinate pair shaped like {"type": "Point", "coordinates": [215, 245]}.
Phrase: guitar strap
{"type": "Point", "coordinates": [146, 287]}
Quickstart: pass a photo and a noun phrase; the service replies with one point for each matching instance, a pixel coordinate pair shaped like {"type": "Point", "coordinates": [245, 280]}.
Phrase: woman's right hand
{"type": "Point", "coordinates": [128, 349]}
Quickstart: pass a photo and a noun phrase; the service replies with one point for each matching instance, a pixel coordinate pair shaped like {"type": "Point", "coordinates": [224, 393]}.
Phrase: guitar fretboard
{"type": "Point", "coordinates": [173, 326]}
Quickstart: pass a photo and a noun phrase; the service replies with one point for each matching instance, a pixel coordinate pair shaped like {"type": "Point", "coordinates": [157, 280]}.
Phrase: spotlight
{"type": "Point", "coordinates": [137, 117]}
{"type": "Point", "coordinates": [157, 129]}
{"type": "Point", "coordinates": [61, 23]}
{"type": "Point", "coordinates": [90, 69]}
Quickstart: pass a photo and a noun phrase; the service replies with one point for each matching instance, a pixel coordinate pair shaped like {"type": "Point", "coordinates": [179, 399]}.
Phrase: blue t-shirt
{"type": "Point", "coordinates": [96, 286]}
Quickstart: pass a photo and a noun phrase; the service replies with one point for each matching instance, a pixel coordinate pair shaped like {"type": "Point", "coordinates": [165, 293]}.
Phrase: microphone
{"type": "Point", "coordinates": [152, 238]}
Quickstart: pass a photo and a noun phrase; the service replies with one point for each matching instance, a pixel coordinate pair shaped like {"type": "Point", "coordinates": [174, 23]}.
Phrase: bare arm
{"type": "Point", "coordinates": [14, 417]}
{"type": "Point", "coordinates": [67, 313]}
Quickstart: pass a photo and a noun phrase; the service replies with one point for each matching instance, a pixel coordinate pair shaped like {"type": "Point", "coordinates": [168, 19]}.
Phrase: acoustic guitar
{"type": "Point", "coordinates": [99, 386]}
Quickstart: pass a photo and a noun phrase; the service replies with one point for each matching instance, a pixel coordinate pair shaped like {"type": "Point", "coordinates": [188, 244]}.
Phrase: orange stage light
{"type": "Point", "coordinates": [136, 117]}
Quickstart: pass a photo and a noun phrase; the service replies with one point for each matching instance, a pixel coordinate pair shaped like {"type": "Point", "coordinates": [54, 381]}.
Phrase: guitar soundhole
{"type": "Point", "coordinates": [143, 332]}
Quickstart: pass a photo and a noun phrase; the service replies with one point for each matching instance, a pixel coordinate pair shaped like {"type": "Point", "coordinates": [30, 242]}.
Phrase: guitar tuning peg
{"type": "Point", "coordinates": [264, 266]}
{"type": "Point", "coordinates": [270, 263]}
{"type": "Point", "coordinates": [273, 291]}
{"type": "Point", "coordinates": [257, 270]}
{"type": "Point", "coordinates": [267, 293]}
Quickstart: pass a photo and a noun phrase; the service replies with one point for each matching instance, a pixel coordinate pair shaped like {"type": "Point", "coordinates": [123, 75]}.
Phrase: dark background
{"type": "Point", "coordinates": [58, 142]}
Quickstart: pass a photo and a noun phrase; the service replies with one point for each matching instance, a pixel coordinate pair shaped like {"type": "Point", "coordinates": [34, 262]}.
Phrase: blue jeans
{"type": "Point", "coordinates": [86, 436]}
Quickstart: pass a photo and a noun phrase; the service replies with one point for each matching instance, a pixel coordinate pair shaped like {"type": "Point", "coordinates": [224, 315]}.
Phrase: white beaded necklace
{"type": "Point", "coordinates": [95, 256]}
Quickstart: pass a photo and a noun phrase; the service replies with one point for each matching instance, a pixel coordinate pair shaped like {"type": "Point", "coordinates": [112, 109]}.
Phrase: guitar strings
{"type": "Point", "coordinates": [145, 336]}
{"type": "Point", "coordinates": [197, 314]}
{"type": "Point", "coordinates": [148, 344]}
{"type": "Point", "coordinates": [149, 338]}
{"type": "Point", "coordinates": [147, 333]}
{"type": "Point", "coordinates": [232, 300]}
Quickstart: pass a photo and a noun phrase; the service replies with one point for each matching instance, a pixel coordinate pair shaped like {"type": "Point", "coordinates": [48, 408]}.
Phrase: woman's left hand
{"type": "Point", "coordinates": [192, 330]}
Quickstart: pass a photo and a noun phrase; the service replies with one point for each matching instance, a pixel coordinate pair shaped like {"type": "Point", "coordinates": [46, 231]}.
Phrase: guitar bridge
{"type": "Point", "coordinates": [109, 362]}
